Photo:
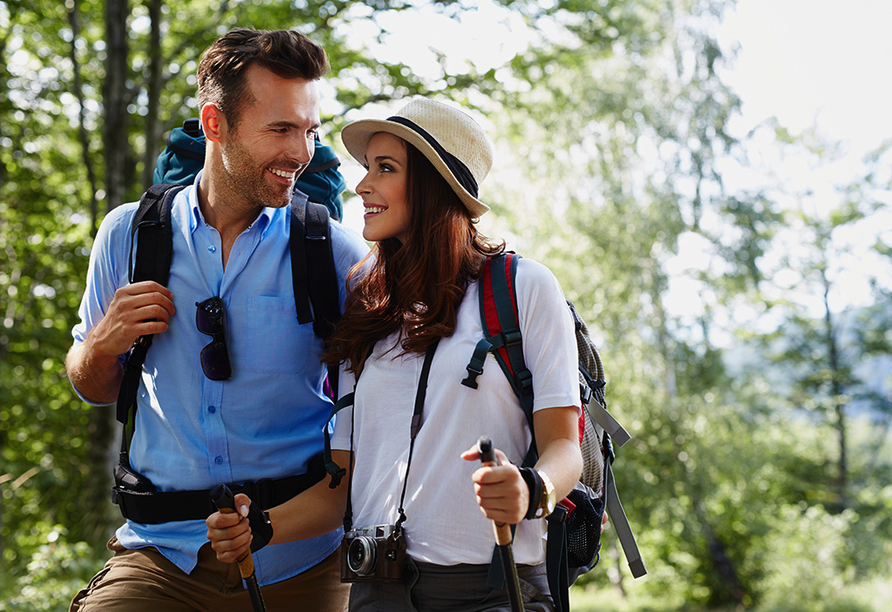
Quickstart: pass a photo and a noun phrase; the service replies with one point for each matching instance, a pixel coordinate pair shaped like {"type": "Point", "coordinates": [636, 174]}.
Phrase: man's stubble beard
{"type": "Point", "coordinates": [244, 182]}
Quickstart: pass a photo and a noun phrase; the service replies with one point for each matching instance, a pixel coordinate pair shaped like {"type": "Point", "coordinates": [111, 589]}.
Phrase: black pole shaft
{"type": "Point", "coordinates": [503, 536]}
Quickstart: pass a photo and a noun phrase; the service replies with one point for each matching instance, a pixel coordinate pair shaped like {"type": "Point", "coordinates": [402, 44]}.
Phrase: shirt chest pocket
{"type": "Point", "coordinates": [275, 342]}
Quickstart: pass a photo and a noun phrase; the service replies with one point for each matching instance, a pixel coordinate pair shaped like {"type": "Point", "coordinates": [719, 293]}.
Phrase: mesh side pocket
{"type": "Point", "coordinates": [584, 528]}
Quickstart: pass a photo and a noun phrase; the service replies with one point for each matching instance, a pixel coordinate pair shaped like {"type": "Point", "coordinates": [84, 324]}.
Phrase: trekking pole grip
{"type": "Point", "coordinates": [224, 501]}
{"type": "Point", "coordinates": [488, 458]}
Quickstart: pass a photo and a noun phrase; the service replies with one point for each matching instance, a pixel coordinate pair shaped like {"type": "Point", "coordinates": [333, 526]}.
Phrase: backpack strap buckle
{"type": "Point", "coordinates": [585, 393]}
{"type": "Point", "coordinates": [525, 380]}
{"type": "Point", "coordinates": [511, 338]}
{"type": "Point", "coordinates": [475, 366]}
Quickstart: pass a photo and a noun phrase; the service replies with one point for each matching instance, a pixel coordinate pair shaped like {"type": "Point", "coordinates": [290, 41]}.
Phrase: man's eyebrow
{"type": "Point", "coordinates": [291, 124]}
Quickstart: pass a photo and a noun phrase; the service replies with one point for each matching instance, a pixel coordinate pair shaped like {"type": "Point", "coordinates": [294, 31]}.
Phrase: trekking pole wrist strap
{"type": "Point", "coordinates": [261, 527]}
{"type": "Point", "coordinates": [534, 482]}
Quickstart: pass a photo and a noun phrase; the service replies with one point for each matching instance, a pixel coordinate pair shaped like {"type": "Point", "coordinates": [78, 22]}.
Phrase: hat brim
{"type": "Point", "coordinates": [357, 135]}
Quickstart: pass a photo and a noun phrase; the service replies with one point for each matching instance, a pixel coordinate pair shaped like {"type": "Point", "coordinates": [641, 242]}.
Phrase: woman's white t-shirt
{"type": "Point", "coordinates": [444, 523]}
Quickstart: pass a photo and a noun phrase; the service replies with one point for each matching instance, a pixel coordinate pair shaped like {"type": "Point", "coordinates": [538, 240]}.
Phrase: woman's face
{"type": "Point", "coordinates": [383, 190]}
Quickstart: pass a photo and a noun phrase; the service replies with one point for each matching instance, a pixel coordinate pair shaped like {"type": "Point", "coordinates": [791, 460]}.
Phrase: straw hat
{"type": "Point", "coordinates": [453, 142]}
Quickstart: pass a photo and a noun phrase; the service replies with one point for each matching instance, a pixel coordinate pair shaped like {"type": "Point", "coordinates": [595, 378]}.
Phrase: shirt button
{"type": "Point", "coordinates": [212, 409]}
{"type": "Point", "coordinates": [218, 460]}
{"type": "Point", "coordinates": [212, 249]}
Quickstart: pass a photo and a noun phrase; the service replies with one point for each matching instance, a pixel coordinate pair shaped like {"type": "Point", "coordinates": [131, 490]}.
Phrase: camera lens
{"type": "Point", "coordinates": [361, 556]}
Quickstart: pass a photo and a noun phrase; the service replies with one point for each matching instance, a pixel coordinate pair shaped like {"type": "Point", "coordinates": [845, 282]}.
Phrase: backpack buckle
{"type": "Point", "coordinates": [473, 373]}
{"type": "Point", "coordinates": [525, 379]}
{"type": "Point", "coordinates": [585, 393]}
{"type": "Point", "coordinates": [475, 366]}
{"type": "Point", "coordinates": [608, 448]}
{"type": "Point", "coordinates": [512, 337]}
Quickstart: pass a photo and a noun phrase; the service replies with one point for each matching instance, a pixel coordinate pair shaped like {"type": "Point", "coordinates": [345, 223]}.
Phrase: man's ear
{"type": "Point", "coordinates": [213, 122]}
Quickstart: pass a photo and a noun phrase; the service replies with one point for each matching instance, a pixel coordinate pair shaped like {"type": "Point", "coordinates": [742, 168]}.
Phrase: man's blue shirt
{"type": "Point", "coordinates": [267, 420]}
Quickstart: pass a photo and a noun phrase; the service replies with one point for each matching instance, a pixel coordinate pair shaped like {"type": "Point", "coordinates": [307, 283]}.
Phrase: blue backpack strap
{"type": "Point", "coordinates": [498, 312]}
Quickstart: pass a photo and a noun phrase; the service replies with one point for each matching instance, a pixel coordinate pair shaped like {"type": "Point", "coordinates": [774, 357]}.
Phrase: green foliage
{"type": "Point", "coordinates": [619, 152]}
{"type": "Point", "coordinates": [55, 572]}
{"type": "Point", "coordinates": [805, 567]}
{"type": "Point", "coordinates": [611, 130]}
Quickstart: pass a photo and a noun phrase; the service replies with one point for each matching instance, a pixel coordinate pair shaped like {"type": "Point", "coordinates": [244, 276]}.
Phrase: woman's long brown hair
{"type": "Point", "coordinates": [415, 287]}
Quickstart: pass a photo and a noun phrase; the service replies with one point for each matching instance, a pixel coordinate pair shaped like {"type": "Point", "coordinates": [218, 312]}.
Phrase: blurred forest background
{"type": "Point", "coordinates": [756, 387]}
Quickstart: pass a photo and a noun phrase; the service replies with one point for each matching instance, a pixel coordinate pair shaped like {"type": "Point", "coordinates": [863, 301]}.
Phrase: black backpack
{"type": "Point", "coordinates": [316, 298]}
{"type": "Point", "coordinates": [574, 528]}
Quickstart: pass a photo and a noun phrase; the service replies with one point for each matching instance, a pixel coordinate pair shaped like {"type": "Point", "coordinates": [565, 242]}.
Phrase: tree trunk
{"type": "Point", "coordinates": [74, 22]}
{"type": "Point", "coordinates": [114, 96]}
{"type": "Point", "coordinates": [97, 511]}
{"type": "Point", "coordinates": [155, 83]}
{"type": "Point", "coordinates": [837, 400]}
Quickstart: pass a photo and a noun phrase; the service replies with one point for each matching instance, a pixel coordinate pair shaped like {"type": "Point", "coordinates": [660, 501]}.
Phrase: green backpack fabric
{"type": "Point", "coordinates": [183, 157]}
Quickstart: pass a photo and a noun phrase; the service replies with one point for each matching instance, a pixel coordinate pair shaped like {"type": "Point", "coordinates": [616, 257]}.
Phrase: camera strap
{"type": "Point", "coordinates": [420, 396]}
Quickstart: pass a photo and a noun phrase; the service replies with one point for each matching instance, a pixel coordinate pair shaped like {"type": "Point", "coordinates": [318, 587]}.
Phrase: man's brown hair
{"type": "Point", "coordinates": [285, 53]}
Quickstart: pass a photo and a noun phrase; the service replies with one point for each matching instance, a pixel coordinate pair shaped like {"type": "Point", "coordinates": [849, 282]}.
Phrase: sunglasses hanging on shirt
{"type": "Point", "coordinates": [209, 319]}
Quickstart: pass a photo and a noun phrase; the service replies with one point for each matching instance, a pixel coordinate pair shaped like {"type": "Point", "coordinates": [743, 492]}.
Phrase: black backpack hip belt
{"type": "Point", "coordinates": [139, 501]}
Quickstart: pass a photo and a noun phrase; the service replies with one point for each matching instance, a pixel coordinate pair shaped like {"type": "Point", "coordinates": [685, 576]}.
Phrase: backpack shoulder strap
{"type": "Point", "coordinates": [152, 235]}
{"type": "Point", "coordinates": [313, 272]}
{"type": "Point", "coordinates": [501, 330]}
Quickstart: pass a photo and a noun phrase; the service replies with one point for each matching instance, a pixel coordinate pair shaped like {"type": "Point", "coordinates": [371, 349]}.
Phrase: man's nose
{"type": "Point", "coordinates": [302, 149]}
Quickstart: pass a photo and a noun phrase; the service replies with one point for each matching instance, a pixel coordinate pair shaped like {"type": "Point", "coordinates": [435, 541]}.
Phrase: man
{"type": "Point", "coordinates": [259, 105]}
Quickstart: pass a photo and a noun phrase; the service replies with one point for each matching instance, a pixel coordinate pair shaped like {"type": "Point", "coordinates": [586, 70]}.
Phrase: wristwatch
{"type": "Point", "coordinates": [548, 499]}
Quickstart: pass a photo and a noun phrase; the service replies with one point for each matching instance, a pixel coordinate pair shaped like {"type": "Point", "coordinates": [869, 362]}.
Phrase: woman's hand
{"type": "Point", "coordinates": [502, 494]}
{"type": "Point", "coordinates": [230, 533]}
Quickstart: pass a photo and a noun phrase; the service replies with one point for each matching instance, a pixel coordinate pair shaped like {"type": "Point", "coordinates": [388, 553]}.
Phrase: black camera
{"type": "Point", "coordinates": [373, 553]}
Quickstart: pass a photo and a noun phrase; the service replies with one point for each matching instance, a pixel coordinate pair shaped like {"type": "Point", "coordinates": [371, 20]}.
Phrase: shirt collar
{"type": "Point", "coordinates": [262, 222]}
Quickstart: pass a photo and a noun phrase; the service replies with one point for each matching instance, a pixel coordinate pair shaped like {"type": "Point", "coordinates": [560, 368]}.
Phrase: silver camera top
{"type": "Point", "coordinates": [375, 531]}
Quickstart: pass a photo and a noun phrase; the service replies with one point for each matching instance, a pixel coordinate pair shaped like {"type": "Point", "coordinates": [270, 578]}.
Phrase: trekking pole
{"type": "Point", "coordinates": [224, 501]}
{"type": "Point", "coordinates": [503, 535]}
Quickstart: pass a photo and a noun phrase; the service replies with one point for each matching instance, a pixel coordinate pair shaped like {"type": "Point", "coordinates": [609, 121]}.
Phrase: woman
{"type": "Point", "coordinates": [417, 302]}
